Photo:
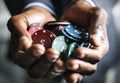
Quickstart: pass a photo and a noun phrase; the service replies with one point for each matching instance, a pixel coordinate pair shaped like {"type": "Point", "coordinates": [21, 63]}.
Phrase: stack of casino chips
{"type": "Point", "coordinates": [60, 35]}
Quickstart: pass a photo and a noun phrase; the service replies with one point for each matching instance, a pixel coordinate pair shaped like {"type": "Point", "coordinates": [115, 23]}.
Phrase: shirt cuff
{"type": "Point", "coordinates": [41, 5]}
{"type": "Point", "coordinates": [91, 2]}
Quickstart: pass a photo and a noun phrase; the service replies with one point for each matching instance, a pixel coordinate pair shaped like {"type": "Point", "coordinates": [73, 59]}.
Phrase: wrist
{"type": "Point", "coordinates": [39, 13]}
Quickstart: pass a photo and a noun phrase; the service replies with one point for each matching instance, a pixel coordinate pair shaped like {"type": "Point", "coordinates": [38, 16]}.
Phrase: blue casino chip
{"type": "Point", "coordinates": [73, 31]}
{"type": "Point", "coordinates": [69, 36]}
{"type": "Point", "coordinates": [84, 34]}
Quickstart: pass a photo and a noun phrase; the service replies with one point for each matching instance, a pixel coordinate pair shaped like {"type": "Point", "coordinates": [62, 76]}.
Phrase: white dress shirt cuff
{"type": "Point", "coordinates": [91, 2]}
{"type": "Point", "coordinates": [41, 5]}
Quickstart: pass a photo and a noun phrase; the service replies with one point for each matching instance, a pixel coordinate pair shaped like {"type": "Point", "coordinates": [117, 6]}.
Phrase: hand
{"type": "Point", "coordinates": [34, 58]}
{"type": "Point", "coordinates": [85, 60]}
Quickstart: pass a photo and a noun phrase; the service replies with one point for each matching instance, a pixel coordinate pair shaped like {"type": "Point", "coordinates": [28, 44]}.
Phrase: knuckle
{"type": "Point", "coordinates": [92, 71]}
{"type": "Point", "coordinates": [94, 12]}
{"type": "Point", "coordinates": [74, 78]}
{"type": "Point", "coordinates": [70, 64]}
{"type": "Point", "coordinates": [59, 66]}
{"type": "Point", "coordinates": [14, 20]}
{"type": "Point", "coordinates": [79, 53]}
{"type": "Point", "coordinates": [52, 55]}
{"type": "Point", "coordinates": [98, 11]}
{"type": "Point", "coordinates": [38, 50]}
{"type": "Point", "coordinates": [99, 57]}
{"type": "Point", "coordinates": [94, 68]}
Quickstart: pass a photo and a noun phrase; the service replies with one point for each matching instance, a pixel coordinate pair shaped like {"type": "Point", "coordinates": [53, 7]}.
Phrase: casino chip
{"type": "Point", "coordinates": [60, 35]}
{"type": "Point", "coordinates": [75, 33]}
{"type": "Point", "coordinates": [86, 44]}
{"type": "Point", "coordinates": [34, 27]}
{"type": "Point", "coordinates": [44, 37]}
{"type": "Point", "coordinates": [60, 43]}
{"type": "Point", "coordinates": [70, 50]}
{"type": "Point", "coordinates": [56, 26]}
{"type": "Point", "coordinates": [69, 36]}
{"type": "Point", "coordinates": [84, 34]}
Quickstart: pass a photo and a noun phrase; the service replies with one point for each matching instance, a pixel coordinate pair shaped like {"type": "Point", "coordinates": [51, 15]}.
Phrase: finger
{"type": "Point", "coordinates": [73, 77]}
{"type": "Point", "coordinates": [57, 69]}
{"type": "Point", "coordinates": [52, 55]}
{"type": "Point", "coordinates": [28, 58]}
{"type": "Point", "coordinates": [17, 25]}
{"type": "Point", "coordinates": [89, 55]}
{"type": "Point", "coordinates": [97, 20]}
{"type": "Point", "coordinates": [41, 67]}
{"type": "Point", "coordinates": [80, 66]}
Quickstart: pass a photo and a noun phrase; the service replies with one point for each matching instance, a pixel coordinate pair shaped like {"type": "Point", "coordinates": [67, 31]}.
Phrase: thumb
{"type": "Point", "coordinates": [97, 19]}
{"type": "Point", "coordinates": [18, 28]}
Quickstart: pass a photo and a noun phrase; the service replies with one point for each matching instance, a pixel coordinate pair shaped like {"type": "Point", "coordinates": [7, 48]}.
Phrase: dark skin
{"type": "Point", "coordinates": [84, 61]}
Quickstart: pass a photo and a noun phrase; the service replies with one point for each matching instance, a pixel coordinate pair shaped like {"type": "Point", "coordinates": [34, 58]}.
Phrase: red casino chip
{"type": "Point", "coordinates": [34, 27]}
{"type": "Point", "coordinates": [44, 37]}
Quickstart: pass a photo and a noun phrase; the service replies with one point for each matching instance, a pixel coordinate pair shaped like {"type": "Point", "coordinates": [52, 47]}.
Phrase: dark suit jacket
{"type": "Point", "coordinates": [16, 6]}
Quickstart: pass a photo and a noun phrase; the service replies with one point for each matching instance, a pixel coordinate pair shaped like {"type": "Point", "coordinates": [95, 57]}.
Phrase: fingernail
{"type": "Point", "coordinates": [38, 50]}
{"type": "Point", "coordinates": [52, 58]}
{"type": "Point", "coordinates": [37, 53]}
{"type": "Point", "coordinates": [76, 66]}
{"type": "Point", "coordinates": [59, 69]}
{"type": "Point", "coordinates": [52, 55]}
{"type": "Point", "coordinates": [59, 66]}
{"type": "Point", "coordinates": [73, 67]}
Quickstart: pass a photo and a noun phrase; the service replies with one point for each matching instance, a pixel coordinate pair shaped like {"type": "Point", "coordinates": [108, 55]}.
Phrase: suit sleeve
{"type": "Point", "coordinates": [17, 6]}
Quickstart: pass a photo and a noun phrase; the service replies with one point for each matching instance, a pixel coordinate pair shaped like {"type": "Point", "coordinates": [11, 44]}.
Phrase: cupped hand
{"type": "Point", "coordinates": [34, 58]}
{"type": "Point", "coordinates": [85, 60]}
